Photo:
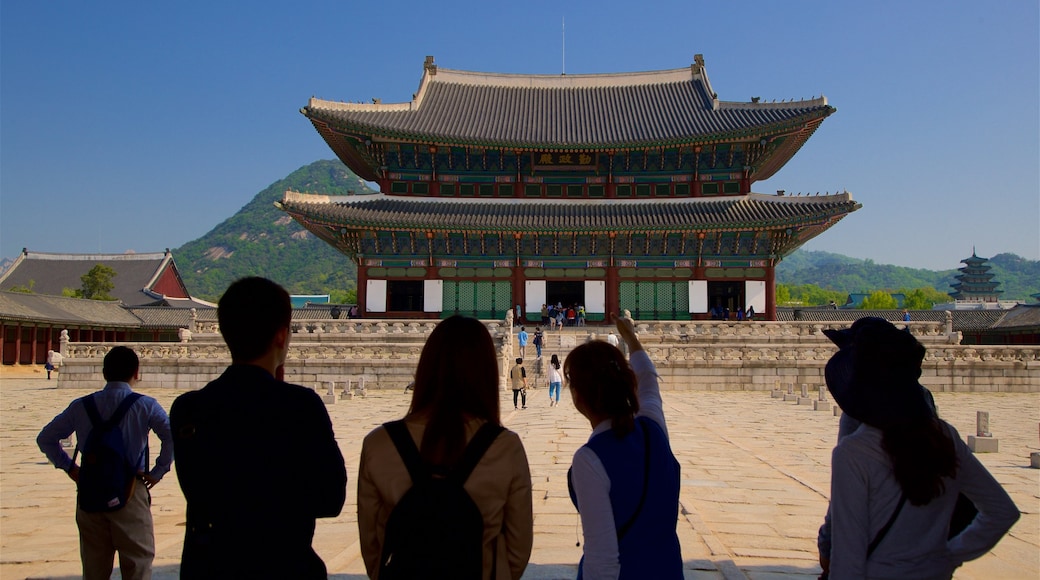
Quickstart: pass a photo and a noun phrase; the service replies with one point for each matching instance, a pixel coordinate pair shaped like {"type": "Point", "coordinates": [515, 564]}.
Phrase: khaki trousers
{"type": "Point", "coordinates": [127, 531]}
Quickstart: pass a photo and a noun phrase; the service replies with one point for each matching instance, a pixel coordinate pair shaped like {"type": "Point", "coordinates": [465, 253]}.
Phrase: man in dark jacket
{"type": "Point", "coordinates": [261, 462]}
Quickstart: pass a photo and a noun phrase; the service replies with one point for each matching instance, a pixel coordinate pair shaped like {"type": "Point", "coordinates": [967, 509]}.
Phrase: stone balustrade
{"type": "Point", "coordinates": [703, 355]}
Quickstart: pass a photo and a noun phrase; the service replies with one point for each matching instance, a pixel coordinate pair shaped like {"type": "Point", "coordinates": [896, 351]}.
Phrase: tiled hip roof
{"type": "Point", "coordinates": [551, 117]}
{"type": "Point", "coordinates": [423, 214]}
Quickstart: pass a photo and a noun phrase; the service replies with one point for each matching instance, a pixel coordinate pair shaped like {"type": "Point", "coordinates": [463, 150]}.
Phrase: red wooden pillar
{"type": "Point", "coordinates": [613, 300]}
{"type": "Point", "coordinates": [34, 337]}
{"type": "Point", "coordinates": [771, 293]}
{"type": "Point", "coordinates": [516, 282]}
{"type": "Point", "coordinates": [18, 345]}
{"type": "Point", "coordinates": [612, 294]}
{"type": "Point", "coordinates": [362, 286]}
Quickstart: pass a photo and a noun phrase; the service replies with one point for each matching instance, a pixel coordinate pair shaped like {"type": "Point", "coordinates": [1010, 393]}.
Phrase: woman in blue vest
{"type": "Point", "coordinates": [625, 480]}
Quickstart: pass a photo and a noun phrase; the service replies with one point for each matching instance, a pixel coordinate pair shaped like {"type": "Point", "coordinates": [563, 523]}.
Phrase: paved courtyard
{"type": "Point", "coordinates": [755, 474]}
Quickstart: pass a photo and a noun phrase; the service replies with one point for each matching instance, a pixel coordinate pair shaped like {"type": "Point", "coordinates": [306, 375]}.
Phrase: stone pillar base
{"type": "Point", "coordinates": [983, 444]}
{"type": "Point", "coordinates": [821, 406]}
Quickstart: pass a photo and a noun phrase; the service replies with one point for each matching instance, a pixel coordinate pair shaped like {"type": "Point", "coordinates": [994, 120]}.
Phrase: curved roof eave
{"type": "Point", "coordinates": [750, 132]}
{"type": "Point", "coordinates": [687, 214]}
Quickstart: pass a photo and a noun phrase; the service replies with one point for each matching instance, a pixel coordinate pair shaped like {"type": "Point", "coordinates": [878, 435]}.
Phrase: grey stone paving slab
{"type": "Point", "coordinates": [755, 475]}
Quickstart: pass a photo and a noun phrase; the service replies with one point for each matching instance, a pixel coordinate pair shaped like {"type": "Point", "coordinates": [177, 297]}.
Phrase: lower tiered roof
{"type": "Point", "coordinates": [753, 211]}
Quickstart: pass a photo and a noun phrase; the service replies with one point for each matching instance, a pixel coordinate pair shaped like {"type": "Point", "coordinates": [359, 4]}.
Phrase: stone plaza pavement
{"type": "Point", "coordinates": [755, 474]}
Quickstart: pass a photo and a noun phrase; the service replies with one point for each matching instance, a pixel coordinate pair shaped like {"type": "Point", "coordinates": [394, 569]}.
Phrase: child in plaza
{"type": "Point", "coordinates": [555, 381]}
{"type": "Point", "coordinates": [625, 480]}
{"type": "Point", "coordinates": [456, 397]}
{"type": "Point", "coordinates": [521, 338]}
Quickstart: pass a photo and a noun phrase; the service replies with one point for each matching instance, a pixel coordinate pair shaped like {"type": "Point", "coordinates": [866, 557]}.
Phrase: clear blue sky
{"type": "Point", "coordinates": [142, 125]}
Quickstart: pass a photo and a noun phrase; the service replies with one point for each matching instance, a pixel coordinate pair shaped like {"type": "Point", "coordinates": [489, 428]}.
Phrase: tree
{"type": "Point", "coordinates": [924, 298]}
{"type": "Point", "coordinates": [343, 296]}
{"type": "Point", "coordinates": [27, 289]}
{"type": "Point", "coordinates": [807, 295]}
{"type": "Point", "coordinates": [97, 283]}
{"type": "Point", "coordinates": [879, 300]}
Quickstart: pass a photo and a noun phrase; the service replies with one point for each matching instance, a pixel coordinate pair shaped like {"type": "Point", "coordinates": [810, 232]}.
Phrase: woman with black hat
{"type": "Point", "coordinates": [895, 480]}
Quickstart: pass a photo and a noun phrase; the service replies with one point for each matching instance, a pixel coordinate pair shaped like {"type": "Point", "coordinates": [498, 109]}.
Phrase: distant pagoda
{"type": "Point", "coordinates": [624, 191]}
{"type": "Point", "coordinates": [975, 283]}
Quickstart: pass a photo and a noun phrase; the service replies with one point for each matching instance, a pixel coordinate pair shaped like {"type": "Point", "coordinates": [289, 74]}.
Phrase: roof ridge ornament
{"type": "Point", "coordinates": [428, 65]}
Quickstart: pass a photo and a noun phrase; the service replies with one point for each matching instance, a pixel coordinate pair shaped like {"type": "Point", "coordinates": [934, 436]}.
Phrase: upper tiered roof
{"type": "Point", "coordinates": [561, 112]}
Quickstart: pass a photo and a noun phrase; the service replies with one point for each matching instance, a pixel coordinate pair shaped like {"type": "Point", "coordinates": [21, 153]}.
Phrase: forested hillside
{"type": "Point", "coordinates": [1018, 277]}
{"type": "Point", "coordinates": [262, 240]}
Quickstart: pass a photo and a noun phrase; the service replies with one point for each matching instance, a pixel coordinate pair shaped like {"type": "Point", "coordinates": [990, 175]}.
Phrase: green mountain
{"type": "Point", "coordinates": [1018, 277]}
{"type": "Point", "coordinates": [261, 240]}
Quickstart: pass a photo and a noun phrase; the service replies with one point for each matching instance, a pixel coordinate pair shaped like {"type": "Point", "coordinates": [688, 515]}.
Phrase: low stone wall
{"type": "Point", "coordinates": [688, 355]}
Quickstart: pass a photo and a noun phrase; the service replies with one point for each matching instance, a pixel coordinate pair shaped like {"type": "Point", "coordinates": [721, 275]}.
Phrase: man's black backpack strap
{"type": "Point", "coordinates": [90, 406]}
{"type": "Point", "coordinates": [106, 476]}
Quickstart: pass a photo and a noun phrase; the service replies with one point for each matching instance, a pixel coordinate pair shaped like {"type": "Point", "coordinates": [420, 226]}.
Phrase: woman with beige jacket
{"type": "Point", "coordinates": [456, 392]}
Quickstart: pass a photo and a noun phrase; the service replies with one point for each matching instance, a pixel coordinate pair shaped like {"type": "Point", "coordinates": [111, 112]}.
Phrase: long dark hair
{"type": "Point", "coordinates": [457, 379]}
{"type": "Point", "coordinates": [604, 383]}
{"type": "Point", "coordinates": [922, 453]}
{"type": "Point", "coordinates": [555, 362]}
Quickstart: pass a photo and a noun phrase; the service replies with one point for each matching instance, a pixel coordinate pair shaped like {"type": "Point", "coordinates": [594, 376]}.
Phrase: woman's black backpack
{"type": "Point", "coordinates": [436, 530]}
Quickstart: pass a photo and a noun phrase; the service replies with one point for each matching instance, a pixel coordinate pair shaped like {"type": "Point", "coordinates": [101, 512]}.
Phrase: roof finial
{"type": "Point", "coordinates": [429, 66]}
{"type": "Point", "coordinates": [698, 64]}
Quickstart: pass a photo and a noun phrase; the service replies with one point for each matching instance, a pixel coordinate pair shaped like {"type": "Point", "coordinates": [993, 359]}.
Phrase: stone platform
{"type": "Point", "coordinates": [755, 473]}
{"type": "Point", "coordinates": [692, 355]}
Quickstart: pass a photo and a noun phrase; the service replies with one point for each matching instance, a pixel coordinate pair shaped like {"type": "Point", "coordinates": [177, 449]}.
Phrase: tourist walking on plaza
{"type": "Point", "coordinates": [518, 379]}
{"type": "Point", "coordinates": [128, 529]}
{"type": "Point", "coordinates": [539, 340]}
{"type": "Point", "coordinates": [257, 459]}
{"type": "Point", "coordinates": [625, 480]}
{"type": "Point", "coordinates": [521, 338]}
{"type": "Point", "coordinates": [555, 381]}
{"type": "Point", "coordinates": [896, 479]}
{"type": "Point", "coordinates": [455, 404]}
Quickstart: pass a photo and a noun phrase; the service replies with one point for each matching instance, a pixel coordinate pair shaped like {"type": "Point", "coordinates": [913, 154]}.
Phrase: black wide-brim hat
{"type": "Point", "coordinates": [874, 375]}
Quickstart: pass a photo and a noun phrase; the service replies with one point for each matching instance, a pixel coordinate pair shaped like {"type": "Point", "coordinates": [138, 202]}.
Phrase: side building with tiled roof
{"type": "Point", "coordinates": [628, 191]}
{"type": "Point", "coordinates": [140, 280]}
{"type": "Point", "coordinates": [150, 303]}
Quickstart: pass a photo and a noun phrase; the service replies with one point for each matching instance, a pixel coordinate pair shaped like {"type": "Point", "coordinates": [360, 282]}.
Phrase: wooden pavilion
{"type": "Point", "coordinates": [613, 191]}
